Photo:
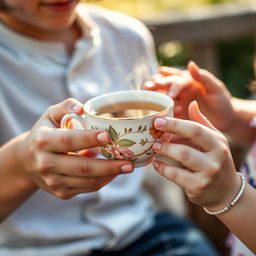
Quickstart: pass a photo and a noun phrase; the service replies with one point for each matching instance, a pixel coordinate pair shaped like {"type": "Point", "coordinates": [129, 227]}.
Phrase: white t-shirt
{"type": "Point", "coordinates": [114, 53]}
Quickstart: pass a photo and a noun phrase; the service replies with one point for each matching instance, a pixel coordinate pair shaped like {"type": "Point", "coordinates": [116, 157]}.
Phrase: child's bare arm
{"type": "Point", "coordinates": [207, 173]}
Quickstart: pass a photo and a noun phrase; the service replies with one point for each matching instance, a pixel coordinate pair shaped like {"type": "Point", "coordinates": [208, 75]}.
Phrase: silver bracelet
{"type": "Point", "coordinates": [237, 197]}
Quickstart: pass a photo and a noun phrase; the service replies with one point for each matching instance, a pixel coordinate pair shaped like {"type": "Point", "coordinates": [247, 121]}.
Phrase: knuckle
{"type": "Point", "coordinates": [184, 155]}
{"type": "Point", "coordinates": [84, 170]}
{"type": "Point", "coordinates": [196, 131]}
{"type": "Point", "coordinates": [214, 169]}
{"type": "Point", "coordinates": [192, 196]}
{"type": "Point", "coordinates": [174, 175]}
{"type": "Point", "coordinates": [221, 157]}
{"type": "Point", "coordinates": [41, 138]}
{"type": "Point", "coordinates": [224, 151]}
{"type": "Point", "coordinates": [68, 102]}
{"type": "Point", "coordinates": [202, 185]}
{"type": "Point", "coordinates": [51, 108]}
{"type": "Point", "coordinates": [222, 138]}
{"type": "Point", "coordinates": [44, 165]}
{"type": "Point", "coordinates": [62, 194]}
{"type": "Point", "coordinates": [173, 125]}
{"type": "Point", "coordinates": [52, 183]}
{"type": "Point", "coordinates": [66, 142]}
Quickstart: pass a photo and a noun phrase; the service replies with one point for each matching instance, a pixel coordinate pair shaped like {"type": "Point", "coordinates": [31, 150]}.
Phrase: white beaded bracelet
{"type": "Point", "coordinates": [239, 194]}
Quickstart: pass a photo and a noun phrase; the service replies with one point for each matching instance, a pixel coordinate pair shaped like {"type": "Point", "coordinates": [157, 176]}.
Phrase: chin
{"type": "Point", "coordinates": [59, 24]}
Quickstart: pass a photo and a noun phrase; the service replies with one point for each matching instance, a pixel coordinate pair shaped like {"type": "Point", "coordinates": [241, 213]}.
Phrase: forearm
{"type": "Point", "coordinates": [240, 129]}
{"type": "Point", "coordinates": [15, 184]}
{"type": "Point", "coordinates": [240, 219]}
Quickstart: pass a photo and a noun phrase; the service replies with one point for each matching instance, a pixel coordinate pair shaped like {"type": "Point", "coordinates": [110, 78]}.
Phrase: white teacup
{"type": "Point", "coordinates": [128, 117]}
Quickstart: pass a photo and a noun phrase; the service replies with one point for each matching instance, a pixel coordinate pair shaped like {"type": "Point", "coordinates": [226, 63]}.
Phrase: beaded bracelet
{"type": "Point", "coordinates": [239, 194]}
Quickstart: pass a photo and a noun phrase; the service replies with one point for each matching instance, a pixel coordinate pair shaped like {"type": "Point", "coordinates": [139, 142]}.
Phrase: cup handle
{"type": "Point", "coordinates": [68, 117]}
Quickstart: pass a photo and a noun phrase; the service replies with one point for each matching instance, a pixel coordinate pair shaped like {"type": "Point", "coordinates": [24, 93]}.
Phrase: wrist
{"type": "Point", "coordinates": [228, 203]}
{"type": "Point", "coordinates": [26, 183]}
{"type": "Point", "coordinates": [233, 117]}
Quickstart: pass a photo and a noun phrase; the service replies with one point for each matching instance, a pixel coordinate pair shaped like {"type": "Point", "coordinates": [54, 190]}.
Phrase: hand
{"type": "Point", "coordinates": [184, 86]}
{"type": "Point", "coordinates": [208, 176]}
{"type": "Point", "coordinates": [44, 155]}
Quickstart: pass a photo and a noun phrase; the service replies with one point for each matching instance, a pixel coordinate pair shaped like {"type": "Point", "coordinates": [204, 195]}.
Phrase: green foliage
{"type": "Point", "coordinates": [179, 59]}
{"type": "Point", "coordinates": [236, 64]}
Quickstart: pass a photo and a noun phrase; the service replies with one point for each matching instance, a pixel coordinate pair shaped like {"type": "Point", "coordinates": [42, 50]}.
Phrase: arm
{"type": "Point", "coordinates": [241, 130]}
{"type": "Point", "coordinates": [208, 174]}
{"type": "Point", "coordinates": [240, 219]}
{"type": "Point", "coordinates": [39, 159]}
{"type": "Point", "coordinates": [15, 185]}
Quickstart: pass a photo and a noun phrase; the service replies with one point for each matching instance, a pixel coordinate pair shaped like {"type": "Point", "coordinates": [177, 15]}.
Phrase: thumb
{"type": "Point", "coordinates": [196, 115]}
{"type": "Point", "coordinates": [55, 113]}
{"type": "Point", "coordinates": [207, 80]}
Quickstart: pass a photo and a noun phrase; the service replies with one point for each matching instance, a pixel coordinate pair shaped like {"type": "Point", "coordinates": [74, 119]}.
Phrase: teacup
{"type": "Point", "coordinates": [128, 117]}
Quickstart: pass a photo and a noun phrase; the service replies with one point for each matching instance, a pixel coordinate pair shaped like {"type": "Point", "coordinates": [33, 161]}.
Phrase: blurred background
{"type": "Point", "coordinates": [220, 35]}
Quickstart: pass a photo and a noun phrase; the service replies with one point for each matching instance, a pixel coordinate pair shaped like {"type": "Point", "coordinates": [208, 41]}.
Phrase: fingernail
{"type": "Point", "coordinates": [127, 168]}
{"type": "Point", "coordinates": [195, 65]}
{"type": "Point", "coordinates": [156, 165]}
{"type": "Point", "coordinates": [194, 102]}
{"type": "Point", "coordinates": [157, 146]}
{"type": "Point", "coordinates": [102, 137]}
{"type": "Point", "coordinates": [76, 107]}
{"type": "Point", "coordinates": [159, 122]}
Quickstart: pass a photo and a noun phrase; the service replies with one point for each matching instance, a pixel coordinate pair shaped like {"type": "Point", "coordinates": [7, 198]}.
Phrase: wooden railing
{"type": "Point", "coordinates": [203, 27]}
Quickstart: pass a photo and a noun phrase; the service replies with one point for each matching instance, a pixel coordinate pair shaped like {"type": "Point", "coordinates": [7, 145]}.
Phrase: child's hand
{"type": "Point", "coordinates": [184, 86]}
{"type": "Point", "coordinates": [44, 155]}
{"type": "Point", "coordinates": [208, 177]}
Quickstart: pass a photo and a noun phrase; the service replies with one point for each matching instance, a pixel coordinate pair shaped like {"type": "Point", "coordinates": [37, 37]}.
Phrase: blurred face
{"type": "Point", "coordinates": [45, 15]}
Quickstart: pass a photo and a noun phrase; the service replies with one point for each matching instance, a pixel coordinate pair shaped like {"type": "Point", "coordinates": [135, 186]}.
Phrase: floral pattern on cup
{"type": "Point", "coordinates": [120, 147]}
{"type": "Point", "coordinates": [155, 133]}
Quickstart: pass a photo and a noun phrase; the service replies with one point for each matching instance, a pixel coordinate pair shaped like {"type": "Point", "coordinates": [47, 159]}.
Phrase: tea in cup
{"type": "Point", "coordinates": [128, 117]}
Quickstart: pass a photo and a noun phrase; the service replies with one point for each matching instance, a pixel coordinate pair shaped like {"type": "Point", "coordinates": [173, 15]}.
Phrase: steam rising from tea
{"type": "Point", "coordinates": [135, 79]}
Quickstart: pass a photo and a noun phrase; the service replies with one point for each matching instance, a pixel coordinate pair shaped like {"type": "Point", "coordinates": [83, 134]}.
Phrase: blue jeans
{"type": "Point", "coordinates": [170, 236]}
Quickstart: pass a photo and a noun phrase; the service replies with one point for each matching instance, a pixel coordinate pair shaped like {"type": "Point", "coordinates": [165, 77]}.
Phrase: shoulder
{"type": "Point", "coordinates": [117, 23]}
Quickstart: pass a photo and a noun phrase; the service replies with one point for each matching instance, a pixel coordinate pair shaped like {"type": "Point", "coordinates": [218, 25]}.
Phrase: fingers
{"type": "Point", "coordinates": [79, 166]}
{"type": "Point", "coordinates": [57, 181]}
{"type": "Point", "coordinates": [65, 187]}
{"type": "Point", "coordinates": [181, 177]}
{"type": "Point", "coordinates": [172, 84]}
{"type": "Point", "coordinates": [167, 71]}
{"type": "Point", "coordinates": [197, 116]}
{"type": "Point", "coordinates": [205, 78]}
{"type": "Point", "coordinates": [186, 155]}
{"type": "Point", "coordinates": [63, 140]}
{"type": "Point", "coordinates": [196, 133]}
{"type": "Point", "coordinates": [56, 112]}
